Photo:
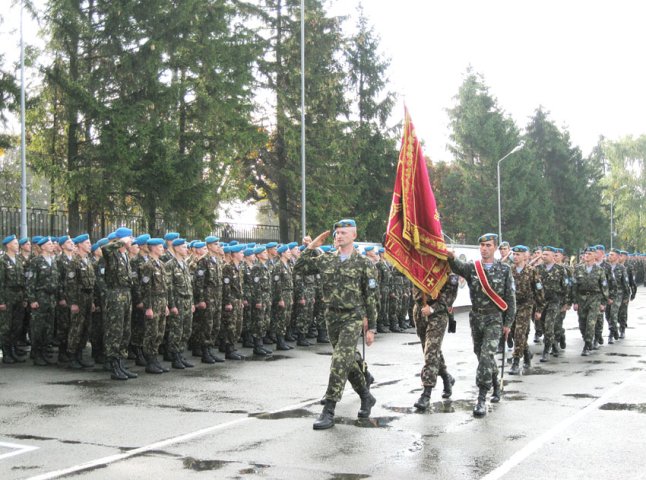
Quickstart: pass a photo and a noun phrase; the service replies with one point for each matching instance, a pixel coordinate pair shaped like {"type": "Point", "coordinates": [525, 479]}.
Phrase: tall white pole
{"type": "Point", "coordinates": [23, 161]}
{"type": "Point", "coordinates": [303, 191]}
{"type": "Point", "coordinates": [515, 149]}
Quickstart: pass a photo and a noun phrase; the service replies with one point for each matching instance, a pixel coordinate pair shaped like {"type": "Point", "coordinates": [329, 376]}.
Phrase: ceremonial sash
{"type": "Point", "coordinates": [484, 282]}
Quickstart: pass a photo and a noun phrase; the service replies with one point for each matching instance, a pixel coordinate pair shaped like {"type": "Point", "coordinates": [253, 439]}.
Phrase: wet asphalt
{"type": "Point", "coordinates": [573, 417]}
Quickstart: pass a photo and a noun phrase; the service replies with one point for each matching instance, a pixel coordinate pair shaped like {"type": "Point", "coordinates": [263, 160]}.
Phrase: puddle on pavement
{"type": "Point", "coordinates": [537, 371]}
{"type": "Point", "coordinates": [269, 358]}
{"type": "Point", "coordinates": [631, 407]}
{"type": "Point", "coordinates": [372, 422]}
{"type": "Point", "coordinates": [580, 395]}
{"type": "Point", "coordinates": [191, 463]}
{"type": "Point", "coordinates": [617, 354]}
{"type": "Point", "coordinates": [295, 413]}
{"type": "Point", "coordinates": [30, 437]}
{"type": "Point", "coordinates": [26, 467]}
{"type": "Point", "coordinates": [348, 476]}
{"type": "Point", "coordinates": [514, 437]}
{"type": "Point", "coordinates": [244, 412]}
{"type": "Point", "coordinates": [513, 398]}
{"type": "Point", "coordinates": [84, 383]}
{"type": "Point", "coordinates": [51, 409]}
{"type": "Point", "coordinates": [255, 469]}
{"type": "Point", "coordinates": [445, 406]}
{"type": "Point", "coordinates": [329, 354]}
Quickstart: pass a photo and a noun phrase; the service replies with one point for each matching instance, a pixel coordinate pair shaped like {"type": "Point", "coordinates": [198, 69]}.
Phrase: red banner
{"type": "Point", "coordinates": [414, 241]}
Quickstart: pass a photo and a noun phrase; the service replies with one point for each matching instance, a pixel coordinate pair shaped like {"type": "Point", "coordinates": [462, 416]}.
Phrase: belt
{"type": "Point", "coordinates": [340, 310]}
{"type": "Point", "coordinates": [485, 310]}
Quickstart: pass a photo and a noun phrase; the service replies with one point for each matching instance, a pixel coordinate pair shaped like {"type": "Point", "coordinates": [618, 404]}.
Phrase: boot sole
{"type": "Point", "coordinates": [322, 427]}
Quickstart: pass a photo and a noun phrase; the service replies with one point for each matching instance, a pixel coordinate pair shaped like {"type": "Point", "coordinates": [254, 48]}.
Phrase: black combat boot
{"type": "Point", "coordinates": [599, 339]}
{"type": "Point", "coordinates": [151, 365]}
{"type": "Point", "coordinates": [322, 336]}
{"type": "Point", "coordinates": [367, 402]}
{"type": "Point", "coordinates": [382, 329]}
{"type": "Point", "coordinates": [527, 358]}
{"type": "Point", "coordinates": [545, 357]}
{"type": "Point", "coordinates": [395, 328]}
{"type": "Point", "coordinates": [7, 358]}
{"type": "Point", "coordinates": [247, 340]}
{"type": "Point", "coordinates": [424, 400]}
{"type": "Point", "coordinates": [302, 341]}
{"type": "Point", "coordinates": [326, 418]}
{"type": "Point", "coordinates": [615, 334]}
{"type": "Point", "coordinates": [289, 336]}
{"type": "Point", "coordinates": [186, 363]}
{"type": "Point", "coordinates": [586, 350]}
{"type": "Point", "coordinates": [515, 367]}
{"type": "Point", "coordinates": [206, 357]}
{"type": "Point", "coordinates": [622, 332]}
{"type": "Point", "coordinates": [555, 350]}
{"type": "Point", "coordinates": [562, 343]}
{"type": "Point", "coordinates": [140, 361]}
{"type": "Point", "coordinates": [537, 338]}
{"type": "Point", "coordinates": [197, 352]}
{"type": "Point", "coordinates": [232, 354]}
{"type": "Point", "coordinates": [611, 338]}
{"type": "Point", "coordinates": [17, 354]}
{"type": "Point", "coordinates": [74, 362]}
{"type": "Point", "coordinates": [495, 396]}
{"type": "Point", "coordinates": [258, 349]}
{"type": "Point", "coordinates": [45, 354]}
{"type": "Point", "coordinates": [39, 357]}
{"type": "Point", "coordinates": [115, 371]}
{"type": "Point", "coordinates": [214, 356]}
{"type": "Point", "coordinates": [281, 344]}
{"type": "Point", "coordinates": [177, 362]}
{"type": "Point", "coordinates": [448, 381]}
{"type": "Point", "coordinates": [124, 369]}
{"type": "Point", "coordinates": [480, 410]}
{"type": "Point", "coordinates": [63, 357]}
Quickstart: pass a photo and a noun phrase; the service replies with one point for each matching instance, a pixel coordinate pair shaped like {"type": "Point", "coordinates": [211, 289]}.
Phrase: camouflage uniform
{"type": "Point", "coordinates": [96, 326]}
{"type": "Point", "coordinates": [260, 294]}
{"type": "Point", "coordinates": [555, 285]}
{"type": "Point", "coordinates": [43, 287]}
{"type": "Point", "coordinates": [622, 295]}
{"type": "Point", "coordinates": [396, 289]}
{"type": "Point", "coordinates": [282, 289]}
{"type": "Point", "coordinates": [180, 324]}
{"type": "Point", "coordinates": [12, 295]}
{"type": "Point", "coordinates": [138, 321]}
{"type": "Point", "coordinates": [623, 310]}
{"type": "Point", "coordinates": [245, 274]}
{"type": "Point", "coordinates": [78, 289]}
{"type": "Point", "coordinates": [385, 272]}
{"type": "Point", "coordinates": [155, 292]}
{"type": "Point", "coordinates": [232, 294]}
{"type": "Point", "coordinates": [612, 292]}
{"type": "Point", "coordinates": [486, 319]}
{"type": "Point", "coordinates": [559, 331]}
{"type": "Point", "coordinates": [62, 315]}
{"type": "Point", "coordinates": [590, 289]}
{"type": "Point", "coordinates": [430, 329]}
{"type": "Point", "coordinates": [118, 301]}
{"type": "Point", "coordinates": [208, 288]}
{"type": "Point", "coordinates": [529, 296]}
{"type": "Point", "coordinates": [350, 291]}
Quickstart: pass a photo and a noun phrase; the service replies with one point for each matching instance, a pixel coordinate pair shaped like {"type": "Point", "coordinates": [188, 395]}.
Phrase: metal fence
{"type": "Point", "coordinates": [42, 222]}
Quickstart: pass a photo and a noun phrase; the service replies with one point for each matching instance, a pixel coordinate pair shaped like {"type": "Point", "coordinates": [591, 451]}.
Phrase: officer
{"type": "Point", "coordinates": [632, 281]}
{"type": "Point", "coordinates": [493, 309]}
{"type": "Point", "coordinates": [78, 291]}
{"type": "Point", "coordinates": [168, 246]}
{"type": "Point", "coordinates": [12, 299]}
{"type": "Point", "coordinates": [590, 293]}
{"type": "Point", "coordinates": [154, 295]}
{"type": "Point", "coordinates": [282, 295]}
{"type": "Point", "coordinates": [232, 298]}
{"type": "Point", "coordinates": [555, 284]}
{"type": "Point", "coordinates": [351, 293]}
{"type": "Point", "coordinates": [181, 308]}
{"type": "Point", "coordinates": [431, 318]}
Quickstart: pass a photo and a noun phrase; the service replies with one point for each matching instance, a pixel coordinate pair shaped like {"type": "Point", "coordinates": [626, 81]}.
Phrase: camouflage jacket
{"type": "Point", "coordinates": [42, 277]}
{"type": "Point", "coordinates": [555, 283]}
{"type": "Point", "coordinates": [180, 280]}
{"type": "Point", "coordinates": [67, 276]}
{"type": "Point", "coordinates": [612, 285]}
{"type": "Point", "coordinates": [135, 272]}
{"type": "Point", "coordinates": [118, 273]}
{"type": "Point", "coordinates": [622, 281]}
{"type": "Point", "coordinates": [232, 284]}
{"type": "Point", "coordinates": [245, 273]}
{"type": "Point", "coordinates": [529, 289]}
{"type": "Point", "coordinates": [500, 279]}
{"type": "Point", "coordinates": [100, 287]}
{"type": "Point", "coordinates": [385, 272]}
{"type": "Point", "coordinates": [348, 285]}
{"type": "Point", "coordinates": [154, 283]}
{"type": "Point", "coordinates": [12, 278]}
{"type": "Point", "coordinates": [260, 291]}
{"type": "Point", "coordinates": [590, 283]}
{"type": "Point", "coordinates": [446, 297]}
{"type": "Point", "coordinates": [79, 280]}
{"type": "Point", "coordinates": [208, 279]}
{"type": "Point", "coordinates": [282, 282]}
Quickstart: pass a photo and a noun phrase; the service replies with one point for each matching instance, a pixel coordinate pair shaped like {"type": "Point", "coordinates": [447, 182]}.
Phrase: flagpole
{"type": "Point", "coordinates": [303, 184]}
{"type": "Point", "coordinates": [23, 161]}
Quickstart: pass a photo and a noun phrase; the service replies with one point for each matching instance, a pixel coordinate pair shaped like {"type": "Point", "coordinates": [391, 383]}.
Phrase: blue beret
{"type": "Point", "coordinates": [211, 239]}
{"type": "Point", "coordinates": [251, 245]}
{"type": "Point", "coordinates": [63, 239]}
{"type": "Point", "coordinates": [233, 242]}
{"type": "Point", "coordinates": [326, 248]}
{"type": "Point", "coordinates": [346, 222]}
{"type": "Point", "coordinates": [94, 247]}
{"type": "Point", "coordinates": [142, 239]}
{"type": "Point", "coordinates": [226, 249]}
{"type": "Point", "coordinates": [36, 238]}
{"type": "Point", "coordinates": [237, 248]}
{"type": "Point", "coordinates": [123, 232]}
{"type": "Point", "coordinates": [615, 250]}
{"type": "Point", "coordinates": [302, 247]}
{"type": "Point", "coordinates": [369, 248]}
{"type": "Point", "coordinates": [199, 244]}
{"type": "Point", "coordinates": [548, 248]}
{"type": "Point", "coordinates": [271, 245]}
{"type": "Point", "coordinates": [332, 249]}
{"type": "Point", "coordinates": [520, 248]}
{"type": "Point", "coordinates": [382, 249]}
{"type": "Point", "coordinates": [259, 249]}
{"type": "Point", "coordinates": [224, 244]}
{"type": "Point", "coordinates": [81, 238]}
{"type": "Point", "coordinates": [23, 240]}
{"type": "Point", "coordinates": [248, 252]}
{"type": "Point", "coordinates": [592, 249]}
{"type": "Point", "coordinates": [154, 241]}
{"type": "Point", "coordinates": [171, 236]}
{"type": "Point", "coordinates": [487, 237]}
{"type": "Point", "coordinates": [8, 239]}
{"type": "Point", "coordinates": [282, 249]}
{"type": "Point", "coordinates": [179, 241]}
{"type": "Point", "coordinates": [102, 242]}
{"type": "Point", "coordinates": [292, 245]}
{"type": "Point", "coordinates": [600, 247]}
{"type": "Point", "coordinates": [112, 235]}
{"type": "Point", "coordinates": [44, 240]}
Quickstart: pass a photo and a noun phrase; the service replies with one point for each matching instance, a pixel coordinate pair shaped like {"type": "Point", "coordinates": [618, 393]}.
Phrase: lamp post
{"type": "Point", "coordinates": [612, 218]}
{"type": "Point", "coordinates": [515, 149]}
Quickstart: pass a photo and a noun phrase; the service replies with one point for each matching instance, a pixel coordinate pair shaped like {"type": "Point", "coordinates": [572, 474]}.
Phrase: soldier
{"type": "Point", "coordinates": [623, 292]}
{"type": "Point", "coordinates": [43, 292]}
{"type": "Point", "coordinates": [559, 331]}
{"type": "Point", "coordinates": [245, 272]}
{"type": "Point", "coordinates": [505, 253]}
{"type": "Point", "coordinates": [12, 299]}
{"type": "Point", "coordinates": [168, 246]}
{"type": "Point", "coordinates": [259, 299]}
{"type": "Point", "coordinates": [181, 308]}
{"type": "Point", "coordinates": [78, 291]}
{"type": "Point", "coordinates": [554, 281]}
{"type": "Point", "coordinates": [100, 290]}
{"type": "Point", "coordinates": [529, 297]}
{"type": "Point", "coordinates": [62, 317]}
{"type": "Point", "coordinates": [137, 255]}
{"type": "Point", "coordinates": [232, 298]}
{"type": "Point", "coordinates": [590, 294]}
{"type": "Point", "coordinates": [118, 303]}
{"type": "Point", "coordinates": [612, 290]}
{"type": "Point", "coordinates": [431, 318]}
{"type": "Point", "coordinates": [154, 295]}
{"type": "Point", "coordinates": [493, 307]}
{"type": "Point", "coordinates": [632, 281]}
{"type": "Point", "coordinates": [351, 294]}
{"type": "Point", "coordinates": [282, 295]}
{"type": "Point", "coordinates": [385, 274]}
{"type": "Point", "coordinates": [27, 250]}
{"type": "Point", "coordinates": [396, 289]}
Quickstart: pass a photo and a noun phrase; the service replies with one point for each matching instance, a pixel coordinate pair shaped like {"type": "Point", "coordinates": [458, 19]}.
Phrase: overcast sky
{"type": "Point", "coordinates": [583, 61]}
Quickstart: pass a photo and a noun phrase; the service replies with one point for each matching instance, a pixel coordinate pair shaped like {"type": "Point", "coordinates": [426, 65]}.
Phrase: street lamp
{"type": "Point", "coordinates": [612, 219]}
{"type": "Point", "coordinates": [516, 148]}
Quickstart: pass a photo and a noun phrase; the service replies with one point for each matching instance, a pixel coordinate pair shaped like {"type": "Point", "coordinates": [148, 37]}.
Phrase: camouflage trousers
{"type": "Point", "coordinates": [612, 314]}
{"type": "Point", "coordinates": [62, 324]}
{"type": "Point", "coordinates": [215, 311]}
{"type": "Point", "coordinates": [79, 330]}
{"type": "Point", "coordinates": [344, 329]}
{"type": "Point", "coordinates": [179, 326]}
{"type": "Point", "coordinates": [259, 319]}
{"type": "Point", "coordinates": [281, 315]}
{"type": "Point", "coordinates": [116, 322]}
{"type": "Point", "coordinates": [137, 326]}
{"type": "Point", "coordinates": [550, 316]}
{"type": "Point", "coordinates": [11, 319]}
{"type": "Point", "coordinates": [42, 321]}
{"type": "Point", "coordinates": [588, 312]}
{"type": "Point", "coordinates": [538, 324]}
{"type": "Point", "coordinates": [303, 313]}
{"type": "Point", "coordinates": [318, 311]}
{"type": "Point", "coordinates": [559, 331]}
{"type": "Point", "coordinates": [382, 319]}
{"type": "Point", "coordinates": [394, 306]}
{"type": "Point", "coordinates": [598, 325]}
{"type": "Point", "coordinates": [521, 328]}
{"type": "Point", "coordinates": [96, 330]}
{"type": "Point", "coordinates": [622, 316]}
{"type": "Point", "coordinates": [202, 326]}
{"type": "Point", "coordinates": [485, 333]}
{"type": "Point", "coordinates": [232, 323]}
{"type": "Point", "coordinates": [246, 318]}
{"type": "Point", "coordinates": [430, 331]}
{"type": "Point", "coordinates": [154, 327]}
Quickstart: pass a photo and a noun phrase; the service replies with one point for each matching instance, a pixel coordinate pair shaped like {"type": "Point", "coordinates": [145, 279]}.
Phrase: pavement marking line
{"type": "Point", "coordinates": [157, 445]}
{"type": "Point", "coordinates": [18, 449]}
{"type": "Point", "coordinates": [542, 439]}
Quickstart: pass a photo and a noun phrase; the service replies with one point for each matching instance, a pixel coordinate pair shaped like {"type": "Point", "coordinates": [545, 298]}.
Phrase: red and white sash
{"type": "Point", "coordinates": [482, 277]}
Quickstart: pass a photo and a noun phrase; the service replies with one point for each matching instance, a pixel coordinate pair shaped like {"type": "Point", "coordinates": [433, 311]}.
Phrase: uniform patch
{"type": "Point", "coordinates": [29, 274]}
{"type": "Point", "coordinates": [256, 279]}
{"type": "Point", "coordinates": [604, 283]}
{"type": "Point", "coordinates": [71, 275]}
{"type": "Point", "coordinates": [200, 273]}
{"type": "Point", "coordinates": [276, 278]}
{"type": "Point", "coordinates": [454, 280]}
{"type": "Point", "coordinates": [226, 280]}
{"type": "Point", "coordinates": [372, 283]}
{"type": "Point", "coordinates": [102, 271]}
{"type": "Point", "coordinates": [539, 286]}
{"type": "Point", "coordinates": [145, 279]}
